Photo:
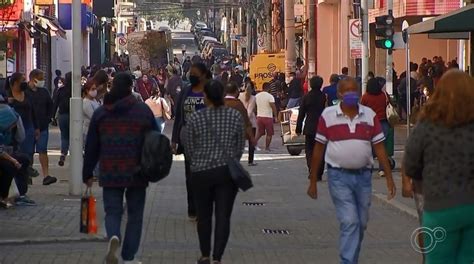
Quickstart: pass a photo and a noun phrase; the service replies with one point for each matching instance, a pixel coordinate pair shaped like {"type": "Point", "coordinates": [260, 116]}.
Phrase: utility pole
{"type": "Point", "coordinates": [75, 124]}
{"type": "Point", "coordinates": [248, 12]}
{"type": "Point", "coordinates": [268, 25]}
{"type": "Point", "coordinates": [365, 43]}
{"type": "Point", "coordinates": [312, 27]}
{"type": "Point", "coordinates": [290, 45]}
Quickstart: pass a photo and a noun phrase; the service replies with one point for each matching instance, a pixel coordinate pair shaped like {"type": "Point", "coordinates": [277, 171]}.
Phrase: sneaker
{"type": "Point", "coordinates": [32, 172]}
{"type": "Point", "coordinates": [49, 180]}
{"type": "Point", "coordinates": [24, 201]}
{"type": "Point", "coordinates": [203, 261]}
{"type": "Point", "coordinates": [61, 160]}
{"type": "Point", "coordinates": [253, 164]}
{"type": "Point", "coordinates": [381, 174]}
{"type": "Point", "coordinates": [258, 149]}
{"type": "Point", "coordinates": [131, 262]}
{"type": "Point", "coordinates": [111, 257]}
{"type": "Point", "coordinates": [5, 205]}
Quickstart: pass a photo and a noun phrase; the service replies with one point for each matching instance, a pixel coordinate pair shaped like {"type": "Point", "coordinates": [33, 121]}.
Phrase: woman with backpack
{"type": "Point", "coordinates": [211, 135]}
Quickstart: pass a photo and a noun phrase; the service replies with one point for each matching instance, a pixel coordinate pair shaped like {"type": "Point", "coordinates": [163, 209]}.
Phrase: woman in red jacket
{"type": "Point", "coordinates": [378, 101]}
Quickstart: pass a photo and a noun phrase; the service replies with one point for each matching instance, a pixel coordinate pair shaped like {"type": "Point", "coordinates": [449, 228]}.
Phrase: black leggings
{"type": "Point", "coordinates": [252, 148]}
{"type": "Point", "coordinates": [213, 188]}
{"type": "Point", "coordinates": [9, 171]}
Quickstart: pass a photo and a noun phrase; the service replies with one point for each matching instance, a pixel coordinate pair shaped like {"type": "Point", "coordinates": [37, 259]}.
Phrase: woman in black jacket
{"type": "Point", "coordinates": [61, 105]}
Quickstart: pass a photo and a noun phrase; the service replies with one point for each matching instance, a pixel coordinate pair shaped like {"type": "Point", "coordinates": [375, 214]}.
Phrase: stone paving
{"type": "Point", "coordinates": [49, 233]}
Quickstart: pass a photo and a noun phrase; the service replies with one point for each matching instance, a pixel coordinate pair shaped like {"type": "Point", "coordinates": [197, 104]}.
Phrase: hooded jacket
{"type": "Point", "coordinates": [115, 139]}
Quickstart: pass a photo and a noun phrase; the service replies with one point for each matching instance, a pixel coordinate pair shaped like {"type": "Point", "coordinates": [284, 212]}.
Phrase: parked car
{"type": "Point", "coordinates": [219, 53]}
{"type": "Point", "coordinates": [202, 42]}
{"type": "Point", "coordinates": [211, 44]}
{"type": "Point", "coordinates": [198, 26]}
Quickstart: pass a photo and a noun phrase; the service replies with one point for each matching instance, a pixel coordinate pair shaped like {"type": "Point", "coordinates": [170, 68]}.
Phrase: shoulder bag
{"type": "Point", "coordinates": [239, 175]}
{"type": "Point", "coordinates": [392, 114]}
{"type": "Point", "coordinates": [165, 113]}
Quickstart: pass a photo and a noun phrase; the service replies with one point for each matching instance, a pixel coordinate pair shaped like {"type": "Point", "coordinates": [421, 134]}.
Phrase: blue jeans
{"type": "Point", "coordinates": [351, 193]}
{"type": "Point", "coordinates": [293, 102]}
{"type": "Point", "coordinates": [63, 120]}
{"type": "Point", "coordinates": [160, 121]}
{"type": "Point", "coordinates": [113, 206]}
{"type": "Point", "coordinates": [27, 147]}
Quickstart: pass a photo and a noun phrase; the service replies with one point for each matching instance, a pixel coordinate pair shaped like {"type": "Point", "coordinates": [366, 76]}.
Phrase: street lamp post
{"type": "Point", "coordinates": [365, 43]}
{"type": "Point", "coordinates": [290, 45]}
{"type": "Point", "coordinates": [75, 181]}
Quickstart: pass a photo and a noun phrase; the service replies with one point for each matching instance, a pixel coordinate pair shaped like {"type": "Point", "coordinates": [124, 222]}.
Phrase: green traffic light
{"type": "Point", "coordinates": [388, 43]}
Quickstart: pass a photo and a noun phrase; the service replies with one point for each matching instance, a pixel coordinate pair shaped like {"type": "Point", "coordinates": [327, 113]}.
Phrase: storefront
{"type": "Point", "coordinates": [10, 47]}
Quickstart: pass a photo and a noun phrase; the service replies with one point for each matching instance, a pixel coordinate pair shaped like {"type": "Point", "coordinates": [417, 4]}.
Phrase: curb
{"type": "Point", "coordinates": [52, 240]}
{"type": "Point", "coordinates": [403, 208]}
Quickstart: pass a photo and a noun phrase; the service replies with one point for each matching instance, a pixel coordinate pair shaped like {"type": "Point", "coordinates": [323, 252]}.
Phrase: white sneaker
{"type": "Point", "coordinates": [114, 244]}
{"type": "Point", "coordinates": [132, 262]}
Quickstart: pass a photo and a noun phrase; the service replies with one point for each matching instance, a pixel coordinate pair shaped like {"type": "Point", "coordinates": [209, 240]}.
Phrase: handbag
{"type": "Point", "coordinates": [240, 176]}
{"type": "Point", "coordinates": [165, 114]}
{"type": "Point", "coordinates": [392, 114]}
{"type": "Point", "coordinates": [88, 214]}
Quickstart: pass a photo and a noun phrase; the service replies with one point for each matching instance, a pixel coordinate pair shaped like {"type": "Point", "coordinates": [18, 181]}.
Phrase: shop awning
{"type": "Point", "coordinates": [51, 24]}
{"type": "Point", "coordinates": [461, 20]}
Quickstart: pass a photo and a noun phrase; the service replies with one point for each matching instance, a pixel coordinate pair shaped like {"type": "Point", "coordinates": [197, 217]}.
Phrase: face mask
{"type": "Point", "coordinates": [39, 84]}
{"type": "Point", "coordinates": [351, 99]}
{"type": "Point", "coordinates": [93, 93]}
{"type": "Point", "coordinates": [194, 80]}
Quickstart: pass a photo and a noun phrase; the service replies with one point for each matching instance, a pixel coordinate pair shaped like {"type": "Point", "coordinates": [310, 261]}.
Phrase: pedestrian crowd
{"type": "Point", "coordinates": [216, 110]}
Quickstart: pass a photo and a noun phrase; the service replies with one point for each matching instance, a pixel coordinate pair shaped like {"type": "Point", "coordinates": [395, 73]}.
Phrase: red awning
{"type": "Point", "coordinates": [12, 12]}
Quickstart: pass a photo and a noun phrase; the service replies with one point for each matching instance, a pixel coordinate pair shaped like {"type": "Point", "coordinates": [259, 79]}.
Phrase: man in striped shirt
{"type": "Point", "coordinates": [350, 131]}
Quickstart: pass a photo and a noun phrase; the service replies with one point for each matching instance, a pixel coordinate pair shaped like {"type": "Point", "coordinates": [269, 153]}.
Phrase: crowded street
{"type": "Point", "coordinates": [236, 132]}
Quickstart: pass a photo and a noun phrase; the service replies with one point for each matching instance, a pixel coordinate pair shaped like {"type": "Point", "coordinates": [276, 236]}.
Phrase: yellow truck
{"type": "Point", "coordinates": [262, 67]}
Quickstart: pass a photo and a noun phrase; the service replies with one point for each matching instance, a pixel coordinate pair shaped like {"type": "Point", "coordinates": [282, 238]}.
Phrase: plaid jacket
{"type": "Point", "coordinates": [201, 145]}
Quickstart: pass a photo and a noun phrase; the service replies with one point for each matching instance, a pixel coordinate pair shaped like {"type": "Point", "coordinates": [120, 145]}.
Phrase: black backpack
{"type": "Point", "coordinates": [157, 156]}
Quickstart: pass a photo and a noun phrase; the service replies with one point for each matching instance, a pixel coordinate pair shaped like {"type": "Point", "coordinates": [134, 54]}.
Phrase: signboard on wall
{"type": "Point", "coordinates": [355, 38]}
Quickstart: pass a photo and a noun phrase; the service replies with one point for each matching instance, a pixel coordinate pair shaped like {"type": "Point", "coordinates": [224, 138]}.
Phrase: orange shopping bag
{"type": "Point", "coordinates": [92, 216]}
{"type": "Point", "coordinates": [88, 215]}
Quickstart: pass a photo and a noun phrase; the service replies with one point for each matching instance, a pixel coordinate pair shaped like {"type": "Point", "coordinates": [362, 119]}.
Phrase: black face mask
{"type": "Point", "coordinates": [194, 80]}
{"type": "Point", "coordinates": [23, 86]}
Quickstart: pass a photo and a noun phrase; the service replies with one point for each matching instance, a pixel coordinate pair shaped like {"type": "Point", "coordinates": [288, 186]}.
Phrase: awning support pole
{"type": "Point", "coordinates": [408, 81]}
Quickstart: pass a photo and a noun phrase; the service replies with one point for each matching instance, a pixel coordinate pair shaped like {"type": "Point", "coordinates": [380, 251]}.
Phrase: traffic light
{"type": "Point", "coordinates": [135, 23]}
{"type": "Point", "coordinates": [385, 30]}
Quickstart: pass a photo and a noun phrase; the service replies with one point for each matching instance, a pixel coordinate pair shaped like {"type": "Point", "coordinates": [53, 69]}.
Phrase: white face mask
{"type": "Point", "coordinates": [93, 93]}
{"type": "Point", "coordinates": [39, 84]}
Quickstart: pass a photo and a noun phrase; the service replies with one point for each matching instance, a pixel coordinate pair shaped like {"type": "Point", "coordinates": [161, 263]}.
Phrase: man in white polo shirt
{"type": "Point", "coordinates": [266, 115]}
{"type": "Point", "coordinates": [350, 131]}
